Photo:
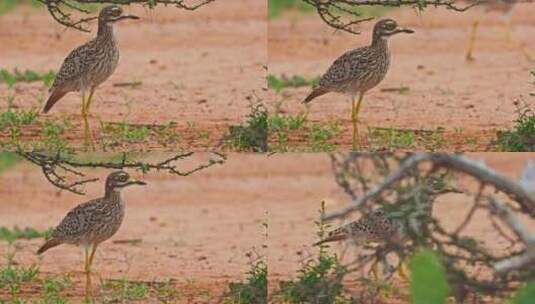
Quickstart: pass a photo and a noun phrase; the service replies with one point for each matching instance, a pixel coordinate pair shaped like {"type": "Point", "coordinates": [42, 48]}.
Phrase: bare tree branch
{"type": "Point", "coordinates": [59, 9]}
{"type": "Point", "coordinates": [344, 14]}
{"type": "Point", "coordinates": [406, 187]}
{"type": "Point", "coordinates": [59, 169]}
{"type": "Point", "coordinates": [527, 259]}
{"type": "Point", "coordinates": [457, 162]}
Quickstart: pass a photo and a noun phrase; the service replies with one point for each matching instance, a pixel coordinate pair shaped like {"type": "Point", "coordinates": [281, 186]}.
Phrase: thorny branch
{"type": "Point", "coordinates": [344, 15]}
{"type": "Point", "coordinates": [407, 186]}
{"type": "Point", "coordinates": [60, 9]}
{"type": "Point", "coordinates": [59, 169]}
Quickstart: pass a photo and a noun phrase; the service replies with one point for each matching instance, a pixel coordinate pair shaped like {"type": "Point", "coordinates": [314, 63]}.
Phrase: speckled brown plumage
{"type": "Point", "coordinates": [89, 65]}
{"type": "Point", "coordinates": [372, 227]}
{"type": "Point", "coordinates": [95, 221]}
{"type": "Point", "coordinates": [361, 69]}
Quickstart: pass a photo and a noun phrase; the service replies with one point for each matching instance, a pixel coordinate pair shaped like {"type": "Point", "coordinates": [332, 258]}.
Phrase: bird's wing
{"type": "Point", "coordinates": [346, 67]}
{"type": "Point", "coordinates": [73, 66]}
{"type": "Point", "coordinates": [80, 219]}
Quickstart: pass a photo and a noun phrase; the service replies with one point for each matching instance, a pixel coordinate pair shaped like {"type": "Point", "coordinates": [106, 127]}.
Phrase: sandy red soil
{"type": "Point", "coordinates": [200, 69]}
{"type": "Point", "coordinates": [195, 230]}
{"type": "Point", "coordinates": [470, 100]}
{"type": "Point", "coordinates": [295, 200]}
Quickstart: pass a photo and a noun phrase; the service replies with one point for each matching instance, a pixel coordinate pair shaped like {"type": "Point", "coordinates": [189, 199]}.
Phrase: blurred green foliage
{"type": "Point", "coordinates": [428, 282]}
{"type": "Point", "coordinates": [526, 295]}
{"type": "Point", "coordinates": [7, 160]}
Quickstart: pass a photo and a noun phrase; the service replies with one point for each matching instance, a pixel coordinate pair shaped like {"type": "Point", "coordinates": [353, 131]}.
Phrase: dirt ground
{"type": "Point", "coordinates": [469, 100]}
{"type": "Point", "coordinates": [294, 203]}
{"type": "Point", "coordinates": [195, 230]}
{"type": "Point", "coordinates": [200, 69]}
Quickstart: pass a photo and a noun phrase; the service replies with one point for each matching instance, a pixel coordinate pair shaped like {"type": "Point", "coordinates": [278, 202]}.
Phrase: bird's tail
{"type": "Point", "coordinates": [315, 93]}
{"type": "Point", "coordinates": [53, 242]}
{"type": "Point", "coordinates": [52, 99]}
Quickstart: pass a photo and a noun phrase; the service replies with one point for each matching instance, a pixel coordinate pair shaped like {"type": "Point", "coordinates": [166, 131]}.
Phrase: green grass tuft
{"type": "Point", "coordinates": [426, 270]}
{"type": "Point", "coordinates": [277, 7]}
{"type": "Point", "coordinates": [522, 137]}
{"type": "Point", "coordinates": [252, 135]}
{"type": "Point", "coordinates": [11, 78]}
{"type": "Point", "coordinates": [28, 233]}
{"type": "Point", "coordinates": [253, 290]}
{"type": "Point", "coordinates": [296, 81]}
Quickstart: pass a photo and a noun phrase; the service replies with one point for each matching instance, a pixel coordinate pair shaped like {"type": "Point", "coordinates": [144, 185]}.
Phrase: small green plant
{"type": "Point", "coordinates": [15, 119]}
{"type": "Point", "coordinates": [12, 277]}
{"type": "Point", "coordinates": [28, 233]}
{"type": "Point", "coordinates": [319, 280]}
{"type": "Point", "coordinates": [426, 270]}
{"type": "Point", "coordinates": [51, 289]}
{"type": "Point", "coordinates": [296, 81]}
{"type": "Point", "coordinates": [251, 136]}
{"type": "Point", "coordinates": [10, 78]}
{"type": "Point", "coordinates": [254, 289]}
{"type": "Point", "coordinates": [393, 139]}
{"type": "Point", "coordinates": [321, 134]}
{"type": "Point", "coordinates": [7, 160]}
{"type": "Point", "coordinates": [8, 5]}
{"type": "Point", "coordinates": [525, 295]}
{"type": "Point", "coordinates": [124, 290]}
{"type": "Point", "coordinates": [276, 7]}
{"type": "Point", "coordinates": [522, 137]}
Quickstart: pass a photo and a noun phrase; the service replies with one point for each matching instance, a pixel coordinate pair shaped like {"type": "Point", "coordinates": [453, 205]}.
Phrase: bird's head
{"type": "Point", "coordinates": [387, 27]}
{"type": "Point", "coordinates": [120, 179]}
{"type": "Point", "coordinates": [113, 13]}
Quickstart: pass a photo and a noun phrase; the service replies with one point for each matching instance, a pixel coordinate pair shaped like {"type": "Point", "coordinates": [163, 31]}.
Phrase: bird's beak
{"type": "Point", "coordinates": [136, 182]}
{"type": "Point", "coordinates": [404, 30]}
{"type": "Point", "coordinates": [127, 17]}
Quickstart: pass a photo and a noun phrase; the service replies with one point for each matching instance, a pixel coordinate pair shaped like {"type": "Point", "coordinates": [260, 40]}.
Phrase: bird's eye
{"type": "Point", "coordinates": [390, 25]}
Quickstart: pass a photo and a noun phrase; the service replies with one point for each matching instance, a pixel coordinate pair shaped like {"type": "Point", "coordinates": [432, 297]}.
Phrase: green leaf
{"type": "Point", "coordinates": [428, 279]}
{"type": "Point", "coordinates": [526, 295]}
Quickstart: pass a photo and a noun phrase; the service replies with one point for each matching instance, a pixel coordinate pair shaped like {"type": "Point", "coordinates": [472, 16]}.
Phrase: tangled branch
{"type": "Point", "coordinates": [59, 170]}
{"type": "Point", "coordinates": [407, 187]}
{"type": "Point", "coordinates": [59, 9]}
{"type": "Point", "coordinates": [344, 14]}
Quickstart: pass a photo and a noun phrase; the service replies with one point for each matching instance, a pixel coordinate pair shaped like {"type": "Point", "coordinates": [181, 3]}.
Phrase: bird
{"type": "Point", "coordinates": [359, 70]}
{"type": "Point", "coordinates": [374, 227]}
{"type": "Point", "coordinates": [506, 8]}
{"type": "Point", "coordinates": [93, 222]}
{"type": "Point", "coordinates": [89, 65]}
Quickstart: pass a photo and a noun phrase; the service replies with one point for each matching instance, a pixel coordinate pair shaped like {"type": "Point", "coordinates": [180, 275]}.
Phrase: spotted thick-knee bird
{"type": "Point", "coordinates": [359, 70]}
{"type": "Point", "coordinates": [93, 222]}
{"type": "Point", "coordinates": [89, 65]}
{"type": "Point", "coordinates": [372, 227]}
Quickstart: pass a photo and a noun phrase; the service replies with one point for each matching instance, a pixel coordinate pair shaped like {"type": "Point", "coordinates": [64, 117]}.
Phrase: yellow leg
{"type": "Point", "coordinates": [402, 272]}
{"type": "Point", "coordinates": [354, 119]}
{"type": "Point", "coordinates": [509, 36]}
{"type": "Point", "coordinates": [85, 111]}
{"type": "Point", "coordinates": [471, 42]}
{"type": "Point", "coordinates": [88, 102]}
{"type": "Point", "coordinates": [87, 270]}
{"type": "Point", "coordinates": [89, 263]}
{"type": "Point", "coordinates": [373, 270]}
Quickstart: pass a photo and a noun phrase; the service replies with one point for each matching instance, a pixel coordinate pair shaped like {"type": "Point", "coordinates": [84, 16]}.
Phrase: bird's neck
{"type": "Point", "coordinates": [105, 30]}
{"type": "Point", "coordinates": [113, 195]}
{"type": "Point", "coordinates": [380, 42]}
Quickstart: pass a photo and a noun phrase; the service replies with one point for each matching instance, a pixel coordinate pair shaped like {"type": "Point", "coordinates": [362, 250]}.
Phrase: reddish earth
{"type": "Point", "coordinates": [294, 201]}
{"type": "Point", "coordinates": [200, 69]}
{"type": "Point", "coordinates": [469, 100]}
{"type": "Point", "coordinates": [195, 230]}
